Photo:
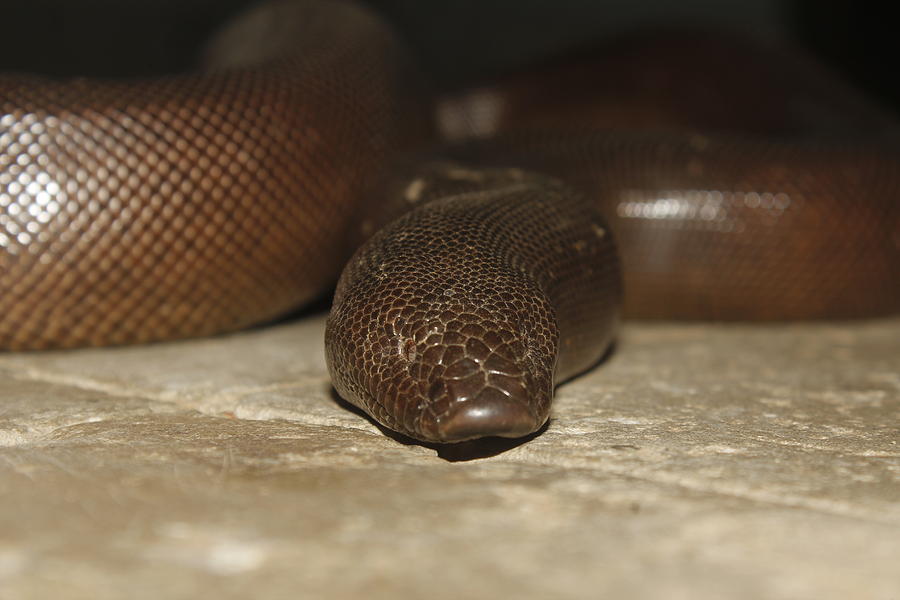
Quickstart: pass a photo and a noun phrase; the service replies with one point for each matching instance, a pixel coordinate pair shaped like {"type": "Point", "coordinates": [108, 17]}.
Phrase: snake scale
{"type": "Point", "coordinates": [479, 273]}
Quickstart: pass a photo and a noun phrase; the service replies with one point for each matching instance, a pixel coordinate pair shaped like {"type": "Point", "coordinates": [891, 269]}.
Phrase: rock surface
{"type": "Point", "coordinates": [700, 461]}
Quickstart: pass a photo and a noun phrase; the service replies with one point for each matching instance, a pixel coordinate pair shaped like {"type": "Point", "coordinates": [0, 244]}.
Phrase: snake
{"type": "Point", "coordinates": [486, 244]}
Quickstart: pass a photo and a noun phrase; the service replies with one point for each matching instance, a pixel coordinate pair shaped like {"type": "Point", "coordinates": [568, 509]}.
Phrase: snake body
{"type": "Point", "coordinates": [136, 211]}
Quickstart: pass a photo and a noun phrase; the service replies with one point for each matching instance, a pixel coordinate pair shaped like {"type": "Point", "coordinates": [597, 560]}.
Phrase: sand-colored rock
{"type": "Point", "coordinates": [700, 461]}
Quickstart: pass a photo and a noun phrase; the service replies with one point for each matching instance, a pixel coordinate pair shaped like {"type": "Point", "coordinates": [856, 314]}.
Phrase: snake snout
{"type": "Point", "coordinates": [487, 391]}
{"type": "Point", "coordinates": [489, 417]}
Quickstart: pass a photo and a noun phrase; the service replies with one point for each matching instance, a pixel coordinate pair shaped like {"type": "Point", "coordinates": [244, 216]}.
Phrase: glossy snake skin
{"type": "Point", "coordinates": [144, 210]}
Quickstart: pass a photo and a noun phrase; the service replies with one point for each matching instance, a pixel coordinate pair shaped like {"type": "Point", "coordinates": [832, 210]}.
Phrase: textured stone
{"type": "Point", "coordinates": [700, 461]}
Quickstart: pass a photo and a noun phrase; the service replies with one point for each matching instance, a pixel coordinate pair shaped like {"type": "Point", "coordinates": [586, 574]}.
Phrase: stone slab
{"type": "Point", "coordinates": [700, 461]}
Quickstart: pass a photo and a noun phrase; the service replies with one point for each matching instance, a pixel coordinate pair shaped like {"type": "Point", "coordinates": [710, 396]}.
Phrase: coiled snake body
{"type": "Point", "coordinates": [135, 211]}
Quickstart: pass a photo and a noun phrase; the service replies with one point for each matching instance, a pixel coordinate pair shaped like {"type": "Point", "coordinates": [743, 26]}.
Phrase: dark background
{"type": "Point", "coordinates": [456, 39]}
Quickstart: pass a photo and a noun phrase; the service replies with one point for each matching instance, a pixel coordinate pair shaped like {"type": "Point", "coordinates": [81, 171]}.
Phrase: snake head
{"type": "Point", "coordinates": [443, 348]}
{"type": "Point", "coordinates": [454, 321]}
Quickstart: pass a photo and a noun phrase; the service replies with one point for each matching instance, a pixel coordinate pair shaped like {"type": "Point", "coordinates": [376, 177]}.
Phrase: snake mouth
{"type": "Point", "coordinates": [488, 417]}
{"type": "Point", "coordinates": [479, 407]}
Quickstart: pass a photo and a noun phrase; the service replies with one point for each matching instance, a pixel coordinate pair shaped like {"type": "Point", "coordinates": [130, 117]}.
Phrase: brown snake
{"type": "Point", "coordinates": [144, 210]}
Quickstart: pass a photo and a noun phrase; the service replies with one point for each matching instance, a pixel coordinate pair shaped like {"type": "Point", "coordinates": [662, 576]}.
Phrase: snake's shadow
{"type": "Point", "coordinates": [458, 452]}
